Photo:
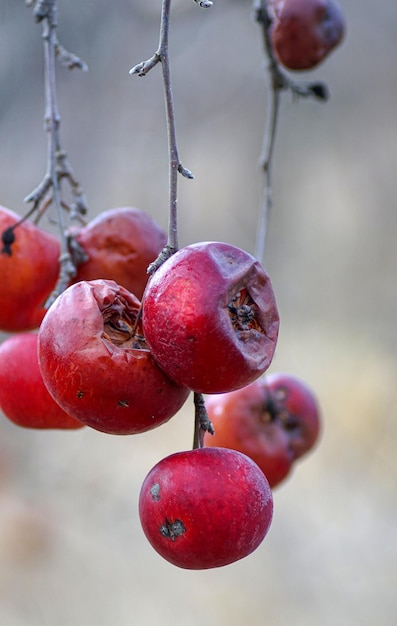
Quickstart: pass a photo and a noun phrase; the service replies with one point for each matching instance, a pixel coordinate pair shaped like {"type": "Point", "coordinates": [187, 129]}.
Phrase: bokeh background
{"type": "Point", "coordinates": [71, 548]}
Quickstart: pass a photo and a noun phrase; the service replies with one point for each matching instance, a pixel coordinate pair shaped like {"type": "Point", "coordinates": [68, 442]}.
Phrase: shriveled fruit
{"type": "Point", "coordinates": [120, 244]}
{"type": "Point", "coordinates": [29, 268]}
{"type": "Point", "coordinates": [205, 508]}
{"type": "Point", "coordinates": [304, 32]}
{"type": "Point", "coordinates": [274, 420]}
{"type": "Point", "coordinates": [24, 398]}
{"type": "Point", "coordinates": [297, 407]}
{"type": "Point", "coordinates": [210, 317]}
{"type": "Point", "coordinates": [95, 362]}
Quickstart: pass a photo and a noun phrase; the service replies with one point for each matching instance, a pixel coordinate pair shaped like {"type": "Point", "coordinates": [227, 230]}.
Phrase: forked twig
{"type": "Point", "coordinates": [49, 189]}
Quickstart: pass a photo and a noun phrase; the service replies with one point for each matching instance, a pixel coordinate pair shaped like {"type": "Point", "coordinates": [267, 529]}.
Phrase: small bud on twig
{"type": "Point", "coordinates": [204, 4]}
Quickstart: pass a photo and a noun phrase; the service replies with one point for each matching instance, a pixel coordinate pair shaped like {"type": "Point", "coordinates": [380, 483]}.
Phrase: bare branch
{"type": "Point", "coordinates": [175, 166]}
{"type": "Point", "coordinates": [279, 81]}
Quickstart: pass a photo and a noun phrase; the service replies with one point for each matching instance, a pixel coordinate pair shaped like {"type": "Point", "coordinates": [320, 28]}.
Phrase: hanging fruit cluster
{"type": "Point", "coordinates": [113, 326]}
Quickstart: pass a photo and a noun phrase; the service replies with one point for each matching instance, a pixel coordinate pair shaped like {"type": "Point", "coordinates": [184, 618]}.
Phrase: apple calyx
{"type": "Point", "coordinates": [243, 314]}
{"type": "Point", "coordinates": [121, 320]}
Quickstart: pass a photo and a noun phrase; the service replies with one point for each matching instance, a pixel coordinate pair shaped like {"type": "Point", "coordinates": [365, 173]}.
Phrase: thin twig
{"type": "Point", "coordinates": [266, 161]}
{"type": "Point", "coordinates": [52, 120]}
{"type": "Point", "coordinates": [175, 165]}
{"type": "Point", "coordinates": [58, 168]}
{"type": "Point", "coordinates": [45, 11]}
{"type": "Point", "coordinates": [279, 81]}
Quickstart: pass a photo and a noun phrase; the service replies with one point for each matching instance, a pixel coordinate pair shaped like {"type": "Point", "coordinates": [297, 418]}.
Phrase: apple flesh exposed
{"type": "Point", "coordinates": [210, 317]}
{"type": "Point", "coordinates": [205, 508]}
{"type": "Point", "coordinates": [96, 365]}
{"type": "Point", "coordinates": [24, 398]}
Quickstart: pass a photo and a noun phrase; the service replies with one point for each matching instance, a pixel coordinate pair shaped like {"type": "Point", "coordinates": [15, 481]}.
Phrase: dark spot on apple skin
{"type": "Point", "coordinates": [155, 492]}
{"type": "Point", "coordinates": [7, 238]}
{"type": "Point", "coordinates": [172, 530]}
{"type": "Point", "coordinates": [80, 394]}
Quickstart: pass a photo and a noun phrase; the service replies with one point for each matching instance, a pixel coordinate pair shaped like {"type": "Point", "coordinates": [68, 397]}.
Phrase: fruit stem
{"type": "Point", "coordinates": [175, 165]}
{"type": "Point", "coordinates": [202, 423]}
{"type": "Point", "coordinates": [279, 81]}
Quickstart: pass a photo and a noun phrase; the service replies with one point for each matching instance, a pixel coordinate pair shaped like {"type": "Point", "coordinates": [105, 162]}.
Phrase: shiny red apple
{"type": "Point", "coordinates": [205, 508]}
{"type": "Point", "coordinates": [210, 317]}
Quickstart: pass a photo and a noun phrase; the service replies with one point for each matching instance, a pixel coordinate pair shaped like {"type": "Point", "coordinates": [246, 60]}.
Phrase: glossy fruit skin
{"type": "Point", "coordinates": [24, 398]}
{"type": "Point", "coordinates": [210, 317]}
{"type": "Point", "coordinates": [28, 273]}
{"type": "Point", "coordinates": [120, 244]}
{"type": "Point", "coordinates": [205, 508]}
{"type": "Point", "coordinates": [304, 32]}
{"type": "Point", "coordinates": [96, 369]}
{"type": "Point", "coordinates": [274, 421]}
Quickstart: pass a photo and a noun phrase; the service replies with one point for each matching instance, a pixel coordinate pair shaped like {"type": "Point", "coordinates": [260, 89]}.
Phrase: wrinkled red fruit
{"type": "Point", "coordinates": [304, 32]}
{"type": "Point", "coordinates": [24, 398]}
{"type": "Point", "coordinates": [29, 267]}
{"type": "Point", "coordinates": [274, 421]}
{"type": "Point", "coordinates": [296, 405]}
{"type": "Point", "coordinates": [210, 317]}
{"type": "Point", "coordinates": [97, 368]}
{"type": "Point", "coordinates": [120, 244]}
{"type": "Point", "coordinates": [205, 508]}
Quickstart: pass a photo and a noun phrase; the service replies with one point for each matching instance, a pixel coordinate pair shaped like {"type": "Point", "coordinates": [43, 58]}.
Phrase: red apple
{"type": "Point", "coordinates": [29, 267]}
{"type": "Point", "coordinates": [274, 421]}
{"type": "Point", "coordinates": [24, 398]}
{"type": "Point", "coordinates": [95, 362]}
{"type": "Point", "coordinates": [297, 407]}
{"type": "Point", "coordinates": [120, 244]}
{"type": "Point", "coordinates": [210, 317]}
{"type": "Point", "coordinates": [304, 32]}
{"type": "Point", "coordinates": [205, 508]}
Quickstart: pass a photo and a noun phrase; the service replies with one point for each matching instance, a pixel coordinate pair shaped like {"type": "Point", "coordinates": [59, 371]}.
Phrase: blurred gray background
{"type": "Point", "coordinates": [71, 548]}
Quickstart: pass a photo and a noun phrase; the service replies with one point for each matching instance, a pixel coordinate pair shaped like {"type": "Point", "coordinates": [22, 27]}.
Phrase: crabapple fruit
{"type": "Point", "coordinates": [24, 398]}
{"type": "Point", "coordinates": [297, 407]}
{"type": "Point", "coordinates": [205, 508]}
{"type": "Point", "coordinates": [304, 32]}
{"type": "Point", "coordinates": [29, 267]}
{"type": "Point", "coordinates": [210, 317]}
{"type": "Point", "coordinates": [95, 362]}
{"type": "Point", "coordinates": [119, 245]}
{"type": "Point", "coordinates": [274, 421]}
